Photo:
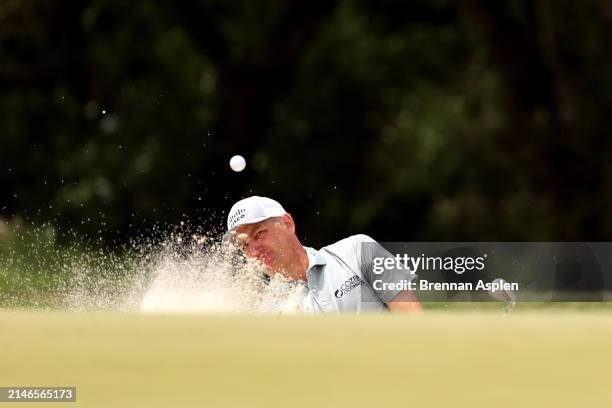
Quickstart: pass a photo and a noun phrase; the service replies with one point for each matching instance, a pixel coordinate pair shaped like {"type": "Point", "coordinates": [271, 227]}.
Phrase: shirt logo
{"type": "Point", "coordinates": [347, 286]}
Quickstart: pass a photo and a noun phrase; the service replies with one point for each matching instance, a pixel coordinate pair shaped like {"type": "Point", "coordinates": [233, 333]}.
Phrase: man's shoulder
{"type": "Point", "coordinates": [349, 252]}
{"type": "Point", "coordinates": [348, 244]}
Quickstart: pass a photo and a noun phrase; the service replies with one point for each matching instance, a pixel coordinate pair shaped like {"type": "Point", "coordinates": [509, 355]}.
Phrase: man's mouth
{"type": "Point", "coordinates": [267, 258]}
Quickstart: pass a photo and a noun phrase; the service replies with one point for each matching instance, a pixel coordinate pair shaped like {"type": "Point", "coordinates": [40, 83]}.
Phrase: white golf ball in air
{"type": "Point", "coordinates": [237, 163]}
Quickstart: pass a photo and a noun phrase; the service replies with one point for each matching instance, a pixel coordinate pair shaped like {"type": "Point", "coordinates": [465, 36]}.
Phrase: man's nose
{"type": "Point", "coordinates": [254, 249]}
{"type": "Point", "coordinates": [258, 249]}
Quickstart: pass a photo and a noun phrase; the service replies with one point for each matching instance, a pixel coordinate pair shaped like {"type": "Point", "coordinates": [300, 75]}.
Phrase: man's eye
{"type": "Point", "coordinates": [260, 234]}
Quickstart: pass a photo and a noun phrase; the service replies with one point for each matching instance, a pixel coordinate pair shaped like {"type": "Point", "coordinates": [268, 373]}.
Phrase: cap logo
{"type": "Point", "coordinates": [237, 216]}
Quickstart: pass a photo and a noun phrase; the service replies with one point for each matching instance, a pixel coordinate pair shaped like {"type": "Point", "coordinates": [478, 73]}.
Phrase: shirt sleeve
{"type": "Point", "coordinates": [370, 255]}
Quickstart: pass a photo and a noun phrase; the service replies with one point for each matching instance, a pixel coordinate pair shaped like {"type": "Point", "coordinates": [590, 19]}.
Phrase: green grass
{"type": "Point", "coordinates": [38, 271]}
{"type": "Point", "coordinates": [438, 359]}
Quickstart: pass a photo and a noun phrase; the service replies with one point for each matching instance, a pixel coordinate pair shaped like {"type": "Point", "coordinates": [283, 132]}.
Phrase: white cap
{"type": "Point", "coordinates": [253, 209]}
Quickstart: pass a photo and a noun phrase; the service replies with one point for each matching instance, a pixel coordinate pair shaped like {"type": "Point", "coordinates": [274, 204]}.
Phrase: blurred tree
{"type": "Point", "coordinates": [407, 120]}
{"type": "Point", "coordinates": [548, 58]}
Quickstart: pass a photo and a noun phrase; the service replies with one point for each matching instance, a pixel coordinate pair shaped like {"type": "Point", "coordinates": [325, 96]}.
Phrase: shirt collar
{"type": "Point", "coordinates": [314, 257]}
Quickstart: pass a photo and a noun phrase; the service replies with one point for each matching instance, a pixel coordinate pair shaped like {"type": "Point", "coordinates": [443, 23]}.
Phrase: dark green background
{"type": "Point", "coordinates": [405, 120]}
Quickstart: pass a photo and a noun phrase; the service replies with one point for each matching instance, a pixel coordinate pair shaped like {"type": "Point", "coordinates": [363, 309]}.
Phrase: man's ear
{"type": "Point", "coordinates": [287, 222]}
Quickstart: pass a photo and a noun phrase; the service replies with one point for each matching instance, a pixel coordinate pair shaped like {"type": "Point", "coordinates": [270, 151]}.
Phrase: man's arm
{"type": "Point", "coordinates": [405, 302]}
{"type": "Point", "coordinates": [398, 302]}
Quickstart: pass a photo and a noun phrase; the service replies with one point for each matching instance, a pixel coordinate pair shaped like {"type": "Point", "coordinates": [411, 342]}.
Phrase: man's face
{"type": "Point", "coordinates": [269, 241]}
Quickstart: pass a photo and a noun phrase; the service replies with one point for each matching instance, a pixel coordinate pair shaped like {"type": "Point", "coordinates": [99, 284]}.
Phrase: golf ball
{"type": "Point", "coordinates": [237, 163]}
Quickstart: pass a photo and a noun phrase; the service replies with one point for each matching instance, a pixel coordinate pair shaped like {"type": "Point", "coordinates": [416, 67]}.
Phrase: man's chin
{"type": "Point", "coordinates": [271, 265]}
{"type": "Point", "coordinates": [279, 273]}
{"type": "Point", "coordinates": [270, 270]}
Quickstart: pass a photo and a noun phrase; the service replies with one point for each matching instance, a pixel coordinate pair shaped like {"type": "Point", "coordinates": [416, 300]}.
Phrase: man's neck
{"type": "Point", "coordinates": [298, 269]}
{"type": "Point", "coordinates": [303, 262]}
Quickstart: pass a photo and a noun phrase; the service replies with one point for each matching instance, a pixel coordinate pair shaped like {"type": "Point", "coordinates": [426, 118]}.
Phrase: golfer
{"type": "Point", "coordinates": [338, 277]}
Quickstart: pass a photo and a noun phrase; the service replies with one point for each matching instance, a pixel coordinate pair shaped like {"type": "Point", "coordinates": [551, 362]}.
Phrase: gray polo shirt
{"type": "Point", "coordinates": [340, 277]}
